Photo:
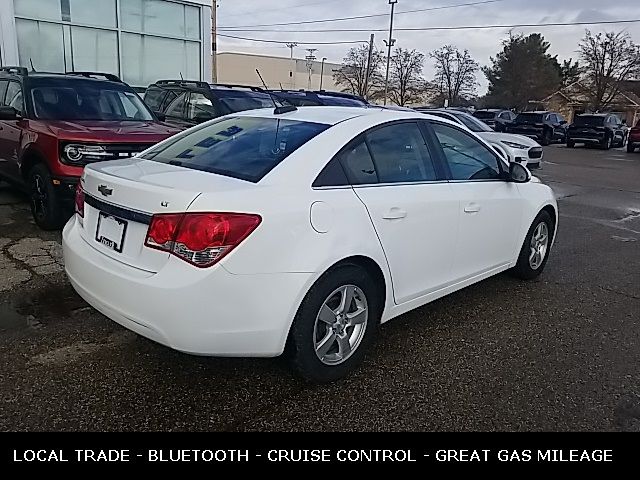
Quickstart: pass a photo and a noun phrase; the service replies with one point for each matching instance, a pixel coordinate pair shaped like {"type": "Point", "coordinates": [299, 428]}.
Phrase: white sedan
{"type": "Point", "coordinates": [518, 148]}
{"type": "Point", "coordinates": [305, 229]}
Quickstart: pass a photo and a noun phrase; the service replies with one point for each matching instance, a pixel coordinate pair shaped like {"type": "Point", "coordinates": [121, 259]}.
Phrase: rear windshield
{"type": "Point", "coordinates": [240, 147]}
{"type": "Point", "coordinates": [529, 118]}
{"type": "Point", "coordinates": [58, 99]}
{"type": "Point", "coordinates": [485, 115]}
{"type": "Point", "coordinates": [239, 101]}
{"type": "Point", "coordinates": [588, 121]}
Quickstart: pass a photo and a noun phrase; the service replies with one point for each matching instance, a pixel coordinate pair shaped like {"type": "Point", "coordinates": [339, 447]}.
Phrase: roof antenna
{"type": "Point", "coordinates": [281, 89]}
{"type": "Point", "coordinates": [278, 110]}
{"type": "Point", "coordinates": [33, 69]}
{"type": "Point", "coordinates": [181, 77]}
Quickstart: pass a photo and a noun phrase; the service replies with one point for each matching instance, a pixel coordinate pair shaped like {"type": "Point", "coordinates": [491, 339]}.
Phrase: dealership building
{"type": "Point", "coordinates": [139, 40]}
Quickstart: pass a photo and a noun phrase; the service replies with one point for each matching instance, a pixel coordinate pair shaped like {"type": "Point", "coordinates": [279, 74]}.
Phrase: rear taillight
{"type": "Point", "coordinates": [201, 239]}
{"type": "Point", "coordinates": [80, 200]}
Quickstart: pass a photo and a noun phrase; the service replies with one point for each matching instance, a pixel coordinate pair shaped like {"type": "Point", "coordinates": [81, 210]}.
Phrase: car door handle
{"type": "Point", "coordinates": [472, 208]}
{"type": "Point", "coordinates": [394, 213]}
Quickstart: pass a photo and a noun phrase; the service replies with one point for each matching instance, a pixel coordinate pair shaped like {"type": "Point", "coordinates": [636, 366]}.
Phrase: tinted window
{"type": "Point", "coordinates": [400, 154]}
{"type": "Point", "coordinates": [332, 175]}
{"type": "Point", "coordinates": [472, 123]}
{"type": "Point", "coordinates": [358, 164]}
{"type": "Point", "coordinates": [153, 97]}
{"type": "Point", "coordinates": [341, 101]}
{"type": "Point", "coordinates": [89, 100]}
{"type": "Point", "coordinates": [560, 118]}
{"type": "Point", "coordinates": [242, 147]}
{"type": "Point", "coordinates": [485, 115]}
{"type": "Point", "coordinates": [171, 96]}
{"type": "Point", "coordinates": [3, 89]}
{"type": "Point", "coordinates": [529, 118]}
{"type": "Point", "coordinates": [589, 121]}
{"type": "Point", "coordinates": [176, 109]}
{"type": "Point", "coordinates": [505, 116]}
{"type": "Point", "coordinates": [302, 101]}
{"type": "Point", "coordinates": [239, 101]}
{"type": "Point", "coordinates": [13, 97]}
{"type": "Point", "coordinates": [468, 159]}
{"type": "Point", "coordinates": [200, 108]}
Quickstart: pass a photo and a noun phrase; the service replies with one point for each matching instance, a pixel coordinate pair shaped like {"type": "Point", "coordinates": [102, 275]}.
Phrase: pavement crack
{"type": "Point", "coordinates": [624, 294]}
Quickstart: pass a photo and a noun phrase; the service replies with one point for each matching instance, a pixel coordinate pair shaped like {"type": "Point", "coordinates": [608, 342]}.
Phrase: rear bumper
{"type": "Point", "coordinates": [585, 138]}
{"type": "Point", "coordinates": [198, 311]}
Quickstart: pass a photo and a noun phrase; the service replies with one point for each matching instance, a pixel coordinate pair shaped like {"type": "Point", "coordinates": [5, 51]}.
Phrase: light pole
{"type": "Point", "coordinates": [310, 58]}
{"type": "Point", "coordinates": [292, 46]}
{"type": "Point", "coordinates": [324, 59]}
{"type": "Point", "coordinates": [389, 45]}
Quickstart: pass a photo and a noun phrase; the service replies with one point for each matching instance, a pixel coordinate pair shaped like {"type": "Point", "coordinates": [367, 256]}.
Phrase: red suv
{"type": "Point", "coordinates": [52, 125]}
{"type": "Point", "coordinates": [634, 138]}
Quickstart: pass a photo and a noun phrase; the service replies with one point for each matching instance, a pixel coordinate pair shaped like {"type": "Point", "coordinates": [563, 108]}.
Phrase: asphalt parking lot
{"type": "Point", "coordinates": [560, 353]}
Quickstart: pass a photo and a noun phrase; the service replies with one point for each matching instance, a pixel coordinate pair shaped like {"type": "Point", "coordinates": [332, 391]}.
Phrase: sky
{"type": "Point", "coordinates": [482, 44]}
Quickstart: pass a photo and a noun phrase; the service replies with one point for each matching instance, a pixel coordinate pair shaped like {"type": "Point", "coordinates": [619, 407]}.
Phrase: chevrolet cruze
{"type": "Point", "coordinates": [300, 231]}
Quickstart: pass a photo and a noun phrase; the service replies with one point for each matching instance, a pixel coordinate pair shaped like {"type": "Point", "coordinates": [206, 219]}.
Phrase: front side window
{"type": "Point", "coordinates": [13, 96]}
{"type": "Point", "coordinates": [400, 154]}
{"type": "Point", "coordinates": [200, 108]}
{"type": "Point", "coordinates": [176, 109]}
{"type": "Point", "coordinates": [153, 97]}
{"type": "Point", "coordinates": [468, 158]}
{"type": "Point", "coordinates": [90, 100]}
{"type": "Point", "coordinates": [246, 148]}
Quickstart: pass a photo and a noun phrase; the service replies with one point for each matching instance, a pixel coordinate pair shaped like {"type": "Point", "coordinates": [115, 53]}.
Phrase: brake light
{"type": "Point", "coordinates": [201, 239]}
{"type": "Point", "coordinates": [80, 200]}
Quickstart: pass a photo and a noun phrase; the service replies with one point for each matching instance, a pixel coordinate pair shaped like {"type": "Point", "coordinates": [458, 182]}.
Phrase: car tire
{"type": "Point", "coordinates": [316, 347]}
{"type": "Point", "coordinates": [606, 143]}
{"type": "Point", "coordinates": [630, 148]}
{"type": "Point", "coordinates": [44, 201]}
{"type": "Point", "coordinates": [571, 144]}
{"type": "Point", "coordinates": [526, 268]}
{"type": "Point", "coordinates": [546, 139]}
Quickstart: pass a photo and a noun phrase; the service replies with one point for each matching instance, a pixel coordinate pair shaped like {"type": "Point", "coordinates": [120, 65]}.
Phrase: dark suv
{"type": "Point", "coordinates": [496, 118]}
{"type": "Point", "coordinates": [305, 98]}
{"type": "Point", "coordinates": [603, 129]}
{"type": "Point", "coordinates": [52, 125]}
{"type": "Point", "coordinates": [545, 127]}
{"type": "Point", "coordinates": [184, 104]}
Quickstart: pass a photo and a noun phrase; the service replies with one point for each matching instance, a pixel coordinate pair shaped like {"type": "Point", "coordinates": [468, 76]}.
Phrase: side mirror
{"type": "Point", "coordinates": [518, 173]}
{"type": "Point", "coordinates": [160, 116]}
{"type": "Point", "coordinates": [9, 113]}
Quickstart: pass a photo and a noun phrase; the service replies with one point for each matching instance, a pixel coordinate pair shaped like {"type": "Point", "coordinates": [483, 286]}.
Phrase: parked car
{"type": "Point", "coordinates": [184, 104]}
{"type": "Point", "coordinates": [52, 125]}
{"type": "Point", "coordinates": [603, 129]}
{"type": "Point", "coordinates": [633, 141]}
{"type": "Point", "coordinates": [496, 118]}
{"type": "Point", "coordinates": [518, 148]}
{"type": "Point", "coordinates": [261, 230]}
{"type": "Point", "coordinates": [545, 127]}
{"type": "Point", "coordinates": [306, 98]}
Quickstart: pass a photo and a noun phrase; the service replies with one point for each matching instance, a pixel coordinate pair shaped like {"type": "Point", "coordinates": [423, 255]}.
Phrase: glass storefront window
{"type": "Point", "coordinates": [40, 44]}
{"type": "Point", "coordinates": [94, 50]}
{"type": "Point", "coordinates": [41, 9]}
{"type": "Point", "coordinates": [94, 12]}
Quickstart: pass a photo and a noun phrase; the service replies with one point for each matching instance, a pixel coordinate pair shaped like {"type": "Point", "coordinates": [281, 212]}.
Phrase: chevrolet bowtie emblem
{"type": "Point", "coordinates": [105, 191]}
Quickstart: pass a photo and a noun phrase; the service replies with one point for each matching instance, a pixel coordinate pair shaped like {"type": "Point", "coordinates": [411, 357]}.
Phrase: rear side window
{"type": "Point", "coordinates": [13, 96]}
{"type": "Point", "coordinates": [400, 154]}
{"type": "Point", "coordinates": [241, 147]}
{"type": "Point", "coordinates": [153, 97]}
{"type": "Point", "coordinates": [3, 90]}
{"type": "Point", "coordinates": [176, 109]}
{"type": "Point", "coordinates": [358, 164]}
{"type": "Point", "coordinates": [200, 108]}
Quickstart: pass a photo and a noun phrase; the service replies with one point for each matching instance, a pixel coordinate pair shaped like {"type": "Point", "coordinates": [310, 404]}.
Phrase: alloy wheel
{"type": "Point", "coordinates": [340, 325]}
{"type": "Point", "coordinates": [539, 245]}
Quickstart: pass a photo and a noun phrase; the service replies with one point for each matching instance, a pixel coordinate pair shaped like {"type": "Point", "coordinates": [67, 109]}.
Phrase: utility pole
{"type": "Point", "coordinates": [310, 58]}
{"type": "Point", "coordinates": [368, 73]}
{"type": "Point", "coordinates": [292, 46]}
{"type": "Point", "coordinates": [324, 59]}
{"type": "Point", "coordinates": [389, 45]}
{"type": "Point", "coordinates": [214, 41]}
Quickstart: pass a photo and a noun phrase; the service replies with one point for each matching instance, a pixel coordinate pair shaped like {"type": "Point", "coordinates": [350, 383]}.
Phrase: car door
{"type": "Point", "coordinates": [411, 205]}
{"type": "Point", "coordinates": [490, 208]}
{"type": "Point", "coordinates": [11, 132]}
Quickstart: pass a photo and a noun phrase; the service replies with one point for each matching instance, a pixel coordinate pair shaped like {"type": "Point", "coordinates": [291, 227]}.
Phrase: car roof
{"type": "Point", "coordinates": [331, 115]}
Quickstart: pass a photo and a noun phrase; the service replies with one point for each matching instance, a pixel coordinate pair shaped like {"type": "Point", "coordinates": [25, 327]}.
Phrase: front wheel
{"type": "Point", "coordinates": [535, 250]}
{"type": "Point", "coordinates": [571, 144]}
{"type": "Point", "coordinates": [45, 205]}
{"type": "Point", "coordinates": [547, 138]}
{"type": "Point", "coordinates": [335, 325]}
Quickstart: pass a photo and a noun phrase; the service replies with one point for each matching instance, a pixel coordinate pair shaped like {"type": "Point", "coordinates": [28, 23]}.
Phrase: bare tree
{"type": "Point", "coordinates": [352, 75]}
{"type": "Point", "coordinates": [608, 60]}
{"type": "Point", "coordinates": [406, 83]}
{"type": "Point", "coordinates": [455, 73]}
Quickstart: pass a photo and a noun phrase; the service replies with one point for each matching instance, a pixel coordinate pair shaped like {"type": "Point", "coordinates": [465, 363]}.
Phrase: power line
{"type": "Point", "coordinates": [289, 42]}
{"type": "Point", "coordinates": [465, 27]}
{"type": "Point", "coordinates": [360, 17]}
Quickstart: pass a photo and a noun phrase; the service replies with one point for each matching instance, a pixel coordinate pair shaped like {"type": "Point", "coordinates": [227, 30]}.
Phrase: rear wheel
{"type": "Point", "coordinates": [606, 142]}
{"type": "Point", "coordinates": [335, 325]}
{"type": "Point", "coordinates": [571, 144]}
{"type": "Point", "coordinates": [630, 148]}
{"type": "Point", "coordinates": [45, 205]}
{"type": "Point", "coordinates": [535, 250]}
{"type": "Point", "coordinates": [547, 138]}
